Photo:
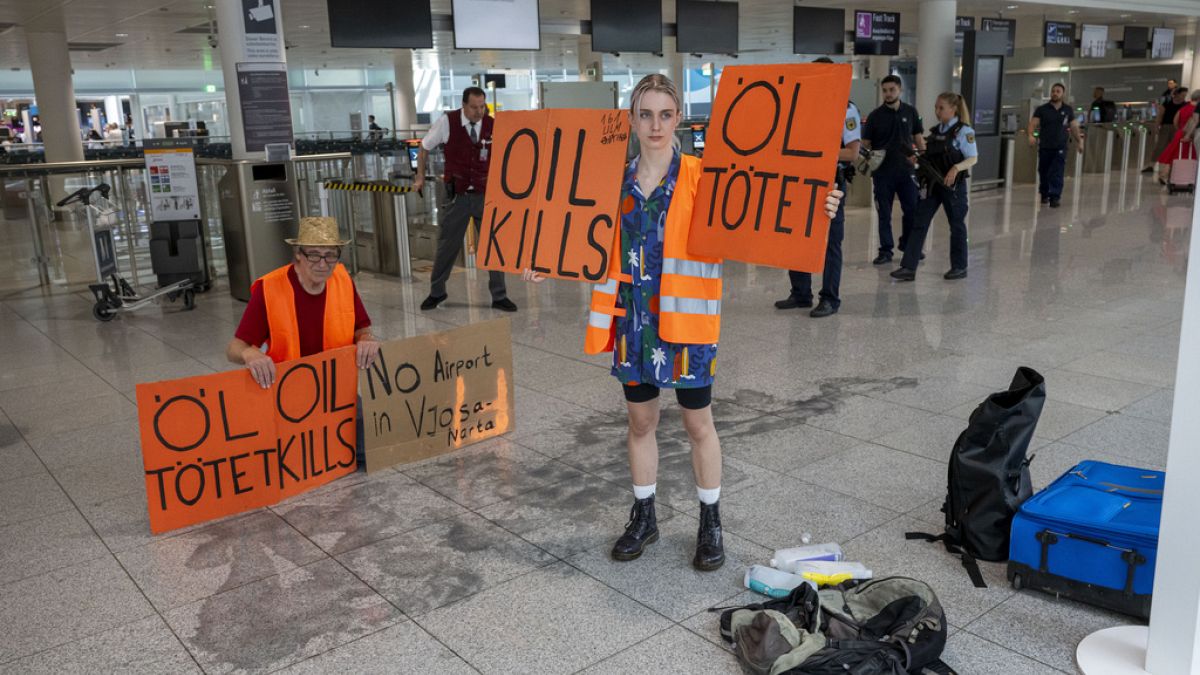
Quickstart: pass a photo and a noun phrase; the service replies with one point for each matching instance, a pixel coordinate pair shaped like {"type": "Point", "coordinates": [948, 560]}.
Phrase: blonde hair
{"type": "Point", "coordinates": [655, 82]}
{"type": "Point", "coordinates": [959, 103]}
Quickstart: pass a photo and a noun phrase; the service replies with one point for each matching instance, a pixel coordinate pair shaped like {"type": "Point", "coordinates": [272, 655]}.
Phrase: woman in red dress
{"type": "Point", "coordinates": [1181, 144]}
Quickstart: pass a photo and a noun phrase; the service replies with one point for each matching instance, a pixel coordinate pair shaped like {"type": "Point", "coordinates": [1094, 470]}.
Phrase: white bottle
{"type": "Point", "coordinates": [772, 582]}
{"type": "Point", "coordinates": [786, 556]}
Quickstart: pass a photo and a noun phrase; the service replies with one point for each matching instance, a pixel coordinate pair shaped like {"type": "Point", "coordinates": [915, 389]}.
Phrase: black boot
{"type": "Point", "coordinates": [640, 531]}
{"type": "Point", "coordinates": [710, 552]}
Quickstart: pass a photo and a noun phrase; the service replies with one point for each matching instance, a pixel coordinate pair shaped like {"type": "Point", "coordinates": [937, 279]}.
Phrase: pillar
{"type": "Point", "coordinates": [935, 53]}
{"type": "Point", "coordinates": [405, 90]}
{"type": "Point", "coordinates": [1191, 57]}
{"type": "Point", "coordinates": [263, 50]}
{"type": "Point", "coordinates": [589, 59]}
{"type": "Point", "coordinates": [676, 75]}
{"type": "Point", "coordinates": [50, 62]}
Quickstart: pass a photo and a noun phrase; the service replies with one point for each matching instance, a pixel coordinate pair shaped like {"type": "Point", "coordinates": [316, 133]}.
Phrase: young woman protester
{"type": "Point", "coordinates": [659, 313]}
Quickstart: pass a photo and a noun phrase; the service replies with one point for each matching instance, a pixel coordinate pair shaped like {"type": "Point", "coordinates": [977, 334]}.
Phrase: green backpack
{"type": "Point", "coordinates": [888, 626]}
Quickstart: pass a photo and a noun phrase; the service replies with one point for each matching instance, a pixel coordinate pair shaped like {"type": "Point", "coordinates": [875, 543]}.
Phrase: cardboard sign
{"type": "Point", "coordinates": [770, 160]}
{"type": "Point", "coordinates": [553, 189]}
{"type": "Point", "coordinates": [436, 393]}
{"type": "Point", "coordinates": [216, 445]}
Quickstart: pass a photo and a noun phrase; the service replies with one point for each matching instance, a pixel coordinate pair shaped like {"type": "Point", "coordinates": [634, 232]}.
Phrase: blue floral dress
{"type": "Point", "coordinates": [639, 355]}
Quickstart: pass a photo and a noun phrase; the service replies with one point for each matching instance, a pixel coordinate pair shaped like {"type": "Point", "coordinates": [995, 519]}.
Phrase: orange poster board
{"type": "Point", "coordinates": [216, 445]}
{"type": "Point", "coordinates": [554, 184]}
{"type": "Point", "coordinates": [770, 160]}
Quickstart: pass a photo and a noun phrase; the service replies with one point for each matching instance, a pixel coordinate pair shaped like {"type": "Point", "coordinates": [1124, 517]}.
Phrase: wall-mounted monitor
{"type": "Point", "coordinates": [1093, 41]}
{"type": "Point", "coordinates": [627, 26]}
{"type": "Point", "coordinates": [876, 33]}
{"type": "Point", "coordinates": [961, 25]}
{"type": "Point", "coordinates": [1136, 44]}
{"type": "Point", "coordinates": [706, 27]}
{"type": "Point", "coordinates": [817, 30]}
{"type": "Point", "coordinates": [1007, 26]}
{"type": "Point", "coordinates": [1058, 39]}
{"type": "Point", "coordinates": [481, 24]}
{"type": "Point", "coordinates": [1162, 43]}
{"type": "Point", "coordinates": [380, 24]}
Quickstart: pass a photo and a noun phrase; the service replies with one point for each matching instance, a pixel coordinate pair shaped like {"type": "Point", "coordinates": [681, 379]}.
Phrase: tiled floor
{"type": "Point", "coordinates": [495, 559]}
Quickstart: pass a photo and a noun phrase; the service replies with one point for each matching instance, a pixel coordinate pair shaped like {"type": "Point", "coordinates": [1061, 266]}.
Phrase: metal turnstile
{"type": "Point", "coordinates": [258, 211]}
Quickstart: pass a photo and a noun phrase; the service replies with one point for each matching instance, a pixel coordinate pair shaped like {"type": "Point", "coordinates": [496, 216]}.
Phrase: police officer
{"type": "Point", "coordinates": [894, 127]}
{"type": "Point", "coordinates": [1048, 131]}
{"type": "Point", "coordinates": [831, 276]}
{"type": "Point", "coordinates": [467, 137]}
{"type": "Point", "coordinates": [949, 152]}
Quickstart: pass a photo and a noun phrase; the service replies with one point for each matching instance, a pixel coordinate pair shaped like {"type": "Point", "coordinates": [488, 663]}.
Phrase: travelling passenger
{"type": "Point", "coordinates": [1102, 110]}
{"type": "Point", "coordinates": [1169, 92]}
{"type": "Point", "coordinates": [127, 134]}
{"type": "Point", "coordinates": [1181, 143]}
{"type": "Point", "coordinates": [1166, 123]}
{"type": "Point", "coordinates": [894, 127]}
{"type": "Point", "coordinates": [94, 140]}
{"type": "Point", "coordinates": [659, 313]}
{"type": "Point", "coordinates": [305, 307]}
{"type": "Point", "coordinates": [1049, 128]}
{"type": "Point", "coordinates": [375, 131]}
{"type": "Point", "coordinates": [831, 274]}
{"type": "Point", "coordinates": [467, 137]}
{"type": "Point", "coordinates": [950, 149]}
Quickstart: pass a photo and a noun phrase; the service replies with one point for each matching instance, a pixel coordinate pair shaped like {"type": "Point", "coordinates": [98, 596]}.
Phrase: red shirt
{"type": "Point", "coordinates": [310, 314]}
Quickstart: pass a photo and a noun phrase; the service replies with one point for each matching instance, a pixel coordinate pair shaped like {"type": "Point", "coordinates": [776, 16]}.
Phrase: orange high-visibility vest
{"type": "Point", "coordinates": [283, 341]}
{"type": "Point", "coordinates": [689, 302]}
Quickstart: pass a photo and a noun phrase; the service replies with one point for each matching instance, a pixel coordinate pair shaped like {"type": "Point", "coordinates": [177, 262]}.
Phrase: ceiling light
{"type": "Point", "coordinates": [1073, 11]}
{"type": "Point", "coordinates": [1126, 16]}
{"type": "Point", "coordinates": [1013, 6]}
{"type": "Point", "coordinates": [305, 27]}
{"type": "Point", "coordinates": [122, 34]}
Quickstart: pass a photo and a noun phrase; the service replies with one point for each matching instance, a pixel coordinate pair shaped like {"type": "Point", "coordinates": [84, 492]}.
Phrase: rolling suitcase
{"type": "Point", "coordinates": [1183, 170]}
{"type": "Point", "coordinates": [1091, 536]}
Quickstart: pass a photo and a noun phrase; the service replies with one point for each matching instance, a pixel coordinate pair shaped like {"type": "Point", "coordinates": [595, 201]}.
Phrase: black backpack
{"type": "Point", "coordinates": [988, 477]}
{"type": "Point", "coordinates": [887, 626]}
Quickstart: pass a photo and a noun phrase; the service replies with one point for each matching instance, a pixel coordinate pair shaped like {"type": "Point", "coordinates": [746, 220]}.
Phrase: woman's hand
{"type": "Point", "coordinates": [535, 277]}
{"type": "Point", "coordinates": [832, 200]}
{"type": "Point", "coordinates": [951, 176]}
{"type": "Point", "coordinates": [261, 367]}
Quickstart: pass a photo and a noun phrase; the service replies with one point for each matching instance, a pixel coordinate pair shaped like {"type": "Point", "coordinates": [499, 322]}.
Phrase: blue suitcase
{"type": "Point", "coordinates": [1091, 536]}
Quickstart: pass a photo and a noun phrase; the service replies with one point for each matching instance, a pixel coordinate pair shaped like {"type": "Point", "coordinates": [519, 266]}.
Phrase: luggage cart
{"type": "Point", "coordinates": [113, 294]}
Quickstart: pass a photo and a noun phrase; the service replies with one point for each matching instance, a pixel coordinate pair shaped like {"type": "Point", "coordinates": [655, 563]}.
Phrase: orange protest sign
{"type": "Point", "coordinates": [216, 445]}
{"type": "Point", "coordinates": [769, 161]}
{"type": "Point", "coordinates": [553, 188]}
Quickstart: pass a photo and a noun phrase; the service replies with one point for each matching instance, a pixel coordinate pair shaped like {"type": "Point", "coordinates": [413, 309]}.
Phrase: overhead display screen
{"type": "Point", "coordinates": [816, 30]}
{"type": "Point", "coordinates": [1093, 42]}
{"type": "Point", "coordinates": [1137, 38]}
{"type": "Point", "coordinates": [1162, 46]}
{"type": "Point", "coordinates": [876, 33]}
{"type": "Point", "coordinates": [706, 27]}
{"type": "Point", "coordinates": [1059, 39]}
{"type": "Point", "coordinates": [1007, 26]}
{"type": "Point", "coordinates": [626, 26]}
{"type": "Point", "coordinates": [496, 24]}
{"type": "Point", "coordinates": [380, 24]}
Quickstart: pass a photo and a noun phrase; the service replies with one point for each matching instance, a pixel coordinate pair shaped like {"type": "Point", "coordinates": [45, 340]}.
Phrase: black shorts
{"type": "Point", "coordinates": [696, 398]}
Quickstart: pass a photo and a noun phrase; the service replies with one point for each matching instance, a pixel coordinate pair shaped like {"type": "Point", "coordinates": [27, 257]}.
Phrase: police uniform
{"type": "Point", "coordinates": [1054, 126]}
{"type": "Point", "coordinates": [947, 145]}
{"type": "Point", "coordinates": [893, 131]}
{"type": "Point", "coordinates": [831, 277]}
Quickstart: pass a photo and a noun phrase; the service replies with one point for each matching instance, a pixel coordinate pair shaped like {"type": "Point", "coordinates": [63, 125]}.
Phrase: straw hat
{"type": "Point", "coordinates": [318, 231]}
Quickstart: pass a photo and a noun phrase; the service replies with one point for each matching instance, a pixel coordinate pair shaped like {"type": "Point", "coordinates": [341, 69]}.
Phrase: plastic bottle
{"type": "Point", "coordinates": [786, 556]}
{"type": "Point", "coordinates": [828, 573]}
{"type": "Point", "coordinates": [772, 582]}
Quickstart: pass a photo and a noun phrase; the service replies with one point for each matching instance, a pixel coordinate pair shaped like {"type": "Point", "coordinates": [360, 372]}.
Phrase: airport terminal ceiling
{"type": "Point", "coordinates": [157, 34]}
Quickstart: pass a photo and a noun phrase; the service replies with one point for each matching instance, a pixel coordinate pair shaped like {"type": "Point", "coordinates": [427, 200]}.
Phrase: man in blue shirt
{"type": "Point", "coordinates": [894, 127]}
{"type": "Point", "coordinates": [1049, 129]}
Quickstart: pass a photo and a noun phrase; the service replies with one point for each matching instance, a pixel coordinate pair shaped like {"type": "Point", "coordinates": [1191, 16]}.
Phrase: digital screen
{"type": "Point", "coordinates": [626, 26]}
{"type": "Point", "coordinates": [493, 24]}
{"type": "Point", "coordinates": [706, 27]}
{"type": "Point", "coordinates": [414, 149]}
{"type": "Point", "coordinates": [380, 24]}
{"type": "Point", "coordinates": [876, 33]}
{"type": "Point", "coordinates": [698, 139]}
{"type": "Point", "coordinates": [1093, 42]}
{"type": "Point", "coordinates": [818, 30]}
{"type": "Point", "coordinates": [1136, 40]}
{"type": "Point", "coordinates": [988, 73]}
{"type": "Point", "coordinates": [961, 25]}
{"type": "Point", "coordinates": [1163, 43]}
{"type": "Point", "coordinates": [1007, 26]}
{"type": "Point", "coordinates": [1059, 39]}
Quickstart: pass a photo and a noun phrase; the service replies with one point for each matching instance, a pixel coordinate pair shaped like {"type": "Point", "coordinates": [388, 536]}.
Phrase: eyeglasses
{"type": "Point", "coordinates": [329, 258]}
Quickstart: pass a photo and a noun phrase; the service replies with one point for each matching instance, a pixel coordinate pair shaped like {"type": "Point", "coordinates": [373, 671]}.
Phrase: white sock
{"type": "Point", "coordinates": [708, 496]}
{"type": "Point", "coordinates": [644, 491]}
